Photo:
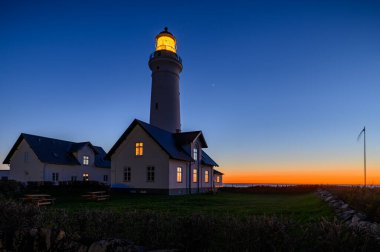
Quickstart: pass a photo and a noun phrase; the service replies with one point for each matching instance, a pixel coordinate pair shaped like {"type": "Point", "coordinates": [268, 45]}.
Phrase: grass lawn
{"type": "Point", "coordinates": [301, 207]}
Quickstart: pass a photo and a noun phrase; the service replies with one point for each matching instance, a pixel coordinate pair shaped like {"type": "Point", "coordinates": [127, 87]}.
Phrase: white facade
{"type": "Point", "coordinates": [26, 167]}
{"type": "Point", "coordinates": [171, 176]}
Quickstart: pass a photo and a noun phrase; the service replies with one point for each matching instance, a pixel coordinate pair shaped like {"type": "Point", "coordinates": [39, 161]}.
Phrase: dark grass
{"type": "Point", "coordinates": [301, 207]}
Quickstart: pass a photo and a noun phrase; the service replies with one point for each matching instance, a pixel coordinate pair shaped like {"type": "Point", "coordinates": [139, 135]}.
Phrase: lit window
{"type": "Point", "coordinates": [85, 177]}
{"type": "Point", "coordinates": [195, 154]}
{"type": "Point", "coordinates": [26, 157]}
{"type": "Point", "coordinates": [139, 149]}
{"type": "Point", "coordinates": [105, 178]}
{"type": "Point", "coordinates": [55, 176]}
{"type": "Point", "coordinates": [217, 179]}
{"type": "Point", "coordinates": [127, 174]}
{"type": "Point", "coordinates": [195, 175]}
{"type": "Point", "coordinates": [206, 176]}
{"type": "Point", "coordinates": [150, 174]}
{"type": "Point", "coordinates": [73, 178]}
{"type": "Point", "coordinates": [179, 174]}
{"type": "Point", "coordinates": [86, 160]}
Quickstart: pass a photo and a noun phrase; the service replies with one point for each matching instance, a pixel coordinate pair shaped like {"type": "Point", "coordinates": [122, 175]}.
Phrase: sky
{"type": "Point", "coordinates": [280, 89]}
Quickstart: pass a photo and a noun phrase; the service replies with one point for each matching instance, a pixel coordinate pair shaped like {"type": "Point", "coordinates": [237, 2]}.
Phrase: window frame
{"type": "Point", "coordinates": [127, 174]}
{"type": "Point", "coordinates": [195, 175]}
{"type": "Point", "coordinates": [195, 153]}
{"type": "Point", "coordinates": [86, 176]}
{"type": "Point", "coordinates": [55, 176]}
{"type": "Point", "coordinates": [139, 149]}
{"type": "Point", "coordinates": [150, 174]}
{"type": "Point", "coordinates": [86, 160]}
{"type": "Point", "coordinates": [179, 174]}
{"type": "Point", "coordinates": [217, 179]}
{"type": "Point", "coordinates": [207, 176]}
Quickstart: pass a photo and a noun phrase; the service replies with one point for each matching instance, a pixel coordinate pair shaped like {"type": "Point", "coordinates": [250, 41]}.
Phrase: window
{"type": "Point", "coordinates": [127, 174]}
{"type": "Point", "coordinates": [73, 178]}
{"type": "Point", "coordinates": [206, 176]}
{"type": "Point", "coordinates": [195, 154]}
{"type": "Point", "coordinates": [85, 177]}
{"type": "Point", "coordinates": [55, 176]}
{"type": "Point", "coordinates": [105, 178]}
{"type": "Point", "coordinates": [85, 160]}
{"type": "Point", "coordinates": [195, 175]}
{"type": "Point", "coordinates": [217, 179]}
{"type": "Point", "coordinates": [26, 157]}
{"type": "Point", "coordinates": [139, 149]}
{"type": "Point", "coordinates": [150, 174]}
{"type": "Point", "coordinates": [179, 174]}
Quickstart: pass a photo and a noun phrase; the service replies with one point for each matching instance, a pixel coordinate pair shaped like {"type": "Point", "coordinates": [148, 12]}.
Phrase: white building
{"type": "Point", "coordinates": [36, 158]}
{"type": "Point", "coordinates": [158, 157]}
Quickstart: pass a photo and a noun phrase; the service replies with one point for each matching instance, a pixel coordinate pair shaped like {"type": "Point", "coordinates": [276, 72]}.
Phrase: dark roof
{"type": "Point", "coordinates": [171, 143]}
{"type": "Point", "coordinates": [100, 160]}
{"type": "Point", "coordinates": [55, 151]}
{"type": "Point", "coordinates": [163, 138]}
{"type": "Point", "coordinates": [184, 138]}
{"type": "Point", "coordinates": [207, 160]}
{"type": "Point", "coordinates": [218, 172]}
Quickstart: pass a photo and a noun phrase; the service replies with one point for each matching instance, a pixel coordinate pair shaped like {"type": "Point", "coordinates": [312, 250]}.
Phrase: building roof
{"type": "Point", "coordinates": [55, 151]}
{"type": "Point", "coordinates": [218, 172]}
{"type": "Point", "coordinates": [171, 143]}
{"type": "Point", "coordinates": [184, 138]}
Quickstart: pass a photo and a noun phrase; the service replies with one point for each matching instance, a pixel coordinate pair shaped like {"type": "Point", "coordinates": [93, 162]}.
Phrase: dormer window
{"type": "Point", "coordinates": [86, 160]}
{"type": "Point", "coordinates": [195, 154]}
{"type": "Point", "coordinates": [139, 148]}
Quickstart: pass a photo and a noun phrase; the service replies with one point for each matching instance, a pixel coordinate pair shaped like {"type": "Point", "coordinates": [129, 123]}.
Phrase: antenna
{"type": "Point", "coordinates": [365, 156]}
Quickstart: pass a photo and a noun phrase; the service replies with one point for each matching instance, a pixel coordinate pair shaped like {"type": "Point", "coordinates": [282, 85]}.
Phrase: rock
{"type": "Point", "coordinates": [82, 248]}
{"type": "Point", "coordinates": [45, 233]}
{"type": "Point", "coordinates": [362, 216]}
{"type": "Point", "coordinates": [33, 232]}
{"type": "Point", "coordinates": [99, 246]}
{"type": "Point", "coordinates": [61, 235]}
{"type": "Point", "coordinates": [117, 245]}
{"type": "Point", "coordinates": [344, 206]}
{"type": "Point", "coordinates": [329, 198]}
{"type": "Point", "coordinates": [355, 220]}
{"type": "Point", "coordinates": [375, 228]}
{"type": "Point", "coordinates": [345, 216]}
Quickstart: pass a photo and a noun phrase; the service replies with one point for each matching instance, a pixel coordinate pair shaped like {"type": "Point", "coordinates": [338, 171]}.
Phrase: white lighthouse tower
{"type": "Point", "coordinates": [166, 66]}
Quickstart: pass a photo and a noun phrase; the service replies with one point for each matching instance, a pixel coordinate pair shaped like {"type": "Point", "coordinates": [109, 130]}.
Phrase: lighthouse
{"type": "Point", "coordinates": [166, 66]}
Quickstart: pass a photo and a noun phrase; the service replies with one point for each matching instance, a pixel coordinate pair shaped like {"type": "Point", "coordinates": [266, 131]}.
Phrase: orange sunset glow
{"type": "Point", "coordinates": [301, 175]}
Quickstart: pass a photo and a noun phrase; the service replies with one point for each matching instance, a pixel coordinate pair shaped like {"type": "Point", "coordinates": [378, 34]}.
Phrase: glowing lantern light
{"type": "Point", "coordinates": [166, 41]}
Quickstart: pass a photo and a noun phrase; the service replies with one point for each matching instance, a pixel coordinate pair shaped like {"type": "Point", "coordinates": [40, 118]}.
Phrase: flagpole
{"type": "Point", "coordinates": [365, 162]}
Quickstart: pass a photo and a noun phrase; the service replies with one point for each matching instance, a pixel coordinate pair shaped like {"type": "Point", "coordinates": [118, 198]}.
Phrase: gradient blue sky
{"type": "Point", "coordinates": [274, 85]}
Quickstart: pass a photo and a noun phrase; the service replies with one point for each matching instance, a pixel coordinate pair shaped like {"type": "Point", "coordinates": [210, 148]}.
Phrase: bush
{"type": "Point", "coordinates": [11, 188]}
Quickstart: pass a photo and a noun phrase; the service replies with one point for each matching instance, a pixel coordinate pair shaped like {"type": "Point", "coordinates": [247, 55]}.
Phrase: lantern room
{"type": "Point", "coordinates": [166, 41]}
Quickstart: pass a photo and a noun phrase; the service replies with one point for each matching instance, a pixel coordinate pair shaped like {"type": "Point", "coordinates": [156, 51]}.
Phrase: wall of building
{"type": "Point", "coordinates": [176, 188]}
{"type": "Point", "coordinates": [153, 155]}
{"type": "Point", "coordinates": [24, 165]}
{"type": "Point", "coordinates": [207, 185]}
{"type": "Point", "coordinates": [66, 172]}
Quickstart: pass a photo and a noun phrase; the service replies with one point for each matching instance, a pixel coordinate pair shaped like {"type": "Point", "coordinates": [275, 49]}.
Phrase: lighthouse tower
{"type": "Point", "coordinates": [166, 66]}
